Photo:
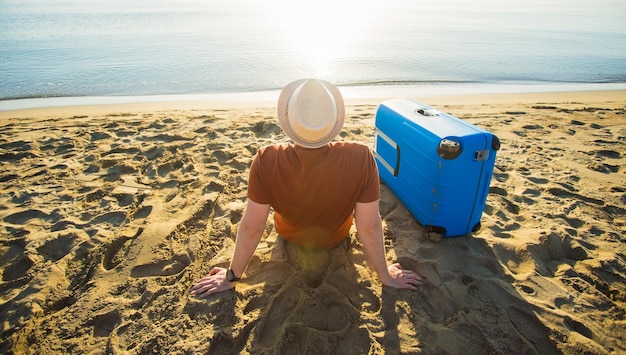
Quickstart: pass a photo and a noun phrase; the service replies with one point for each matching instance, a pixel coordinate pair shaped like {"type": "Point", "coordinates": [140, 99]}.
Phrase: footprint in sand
{"type": "Point", "coordinates": [122, 132]}
{"type": "Point", "coordinates": [24, 217]}
{"type": "Point", "coordinates": [16, 264]}
{"type": "Point", "coordinates": [494, 190]}
{"type": "Point", "coordinates": [578, 327]}
{"type": "Point", "coordinates": [265, 129]}
{"type": "Point", "coordinates": [99, 135]}
{"type": "Point", "coordinates": [142, 213]}
{"type": "Point", "coordinates": [104, 323]}
{"type": "Point", "coordinates": [508, 205]}
{"type": "Point", "coordinates": [519, 262]}
{"type": "Point", "coordinates": [501, 177]}
{"type": "Point", "coordinates": [59, 246]}
{"type": "Point", "coordinates": [173, 266]}
{"type": "Point", "coordinates": [604, 168]}
{"type": "Point", "coordinates": [568, 193]}
{"type": "Point", "coordinates": [222, 156]}
{"type": "Point", "coordinates": [605, 153]}
{"type": "Point", "coordinates": [281, 307]}
{"type": "Point", "coordinates": [538, 180]}
{"type": "Point", "coordinates": [165, 169]}
{"type": "Point", "coordinates": [111, 259]}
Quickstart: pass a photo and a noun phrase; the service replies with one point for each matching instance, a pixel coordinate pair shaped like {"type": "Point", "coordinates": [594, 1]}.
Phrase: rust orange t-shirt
{"type": "Point", "coordinates": [314, 191]}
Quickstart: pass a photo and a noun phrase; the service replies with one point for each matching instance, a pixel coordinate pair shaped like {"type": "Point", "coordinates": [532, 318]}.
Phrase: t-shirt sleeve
{"type": "Point", "coordinates": [256, 192]}
{"type": "Point", "coordinates": [371, 181]}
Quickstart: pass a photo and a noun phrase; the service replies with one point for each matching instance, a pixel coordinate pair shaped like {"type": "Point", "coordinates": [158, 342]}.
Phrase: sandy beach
{"type": "Point", "coordinates": [108, 214]}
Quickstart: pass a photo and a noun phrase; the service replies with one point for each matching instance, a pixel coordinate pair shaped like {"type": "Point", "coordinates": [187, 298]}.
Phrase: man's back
{"type": "Point", "coordinates": [314, 191]}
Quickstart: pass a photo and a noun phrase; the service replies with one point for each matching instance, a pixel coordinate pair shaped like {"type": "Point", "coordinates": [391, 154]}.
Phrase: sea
{"type": "Point", "coordinates": [117, 49]}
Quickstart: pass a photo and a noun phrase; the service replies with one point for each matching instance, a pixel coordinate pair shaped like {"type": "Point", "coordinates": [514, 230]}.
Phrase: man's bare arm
{"type": "Point", "coordinates": [248, 236]}
{"type": "Point", "coordinates": [370, 233]}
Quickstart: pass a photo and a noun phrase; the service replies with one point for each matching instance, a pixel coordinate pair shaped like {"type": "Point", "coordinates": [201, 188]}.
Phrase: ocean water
{"type": "Point", "coordinates": [77, 48]}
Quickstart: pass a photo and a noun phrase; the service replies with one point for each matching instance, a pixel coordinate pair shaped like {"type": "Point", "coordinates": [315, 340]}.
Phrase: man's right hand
{"type": "Point", "coordinates": [213, 283]}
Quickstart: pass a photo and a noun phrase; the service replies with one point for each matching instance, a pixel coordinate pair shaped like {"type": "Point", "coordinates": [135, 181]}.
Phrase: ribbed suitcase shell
{"type": "Point", "coordinates": [439, 166]}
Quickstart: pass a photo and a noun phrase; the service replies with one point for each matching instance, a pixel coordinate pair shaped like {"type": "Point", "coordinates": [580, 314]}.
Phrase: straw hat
{"type": "Point", "coordinates": [311, 112]}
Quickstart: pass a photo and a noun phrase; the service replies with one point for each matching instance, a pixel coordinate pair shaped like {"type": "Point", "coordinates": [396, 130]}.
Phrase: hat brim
{"type": "Point", "coordinates": [283, 119]}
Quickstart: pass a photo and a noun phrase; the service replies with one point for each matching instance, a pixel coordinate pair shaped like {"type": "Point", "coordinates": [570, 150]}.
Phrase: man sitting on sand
{"type": "Point", "coordinates": [314, 186]}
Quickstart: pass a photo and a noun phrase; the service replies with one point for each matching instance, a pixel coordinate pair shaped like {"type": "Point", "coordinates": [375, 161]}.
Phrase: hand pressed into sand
{"type": "Point", "coordinates": [248, 236]}
{"type": "Point", "coordinates": [213, 283]}
{"type": "Point", "coordinates": [370, 233]}
{"type": "Point", "coordinates": [401, 278]}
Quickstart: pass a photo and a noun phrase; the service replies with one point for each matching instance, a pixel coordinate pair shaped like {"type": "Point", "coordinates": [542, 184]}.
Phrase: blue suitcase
{"type": "Point", "coordinates": [437, 165]}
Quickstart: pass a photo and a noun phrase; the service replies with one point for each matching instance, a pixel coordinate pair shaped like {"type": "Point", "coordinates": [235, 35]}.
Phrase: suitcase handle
{"type": "Point", "coordinates": [393, 168]}
{"type": "Point", "coordinates": [396, 171]}
{"type": "Point", "coordinates": [427, 112]}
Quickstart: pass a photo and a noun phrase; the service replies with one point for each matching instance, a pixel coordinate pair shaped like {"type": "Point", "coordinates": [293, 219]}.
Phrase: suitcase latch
{"type": "Point", "coordinates": [482, 155]}
{"type": "Point", "coordinates": [449, 149]}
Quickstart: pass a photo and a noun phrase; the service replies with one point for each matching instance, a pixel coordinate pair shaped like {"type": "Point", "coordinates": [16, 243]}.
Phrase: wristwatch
{"type": "Point", "coordinates": [230, 276]}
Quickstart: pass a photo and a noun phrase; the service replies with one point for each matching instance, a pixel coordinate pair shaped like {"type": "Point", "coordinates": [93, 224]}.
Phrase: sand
{"type": "Point", "coordinates": [108, 215]}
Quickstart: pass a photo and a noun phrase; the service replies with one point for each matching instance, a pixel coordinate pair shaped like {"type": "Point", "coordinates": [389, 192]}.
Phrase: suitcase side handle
{"type": "Point", "coordinates": [394, 168]}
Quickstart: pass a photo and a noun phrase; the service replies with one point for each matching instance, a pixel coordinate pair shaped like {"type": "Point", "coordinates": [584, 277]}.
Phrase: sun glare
{"type": "Point", "coordinates": [323, 30]}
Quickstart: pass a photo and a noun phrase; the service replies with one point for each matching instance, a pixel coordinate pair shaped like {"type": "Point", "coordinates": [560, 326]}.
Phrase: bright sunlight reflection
{"type": "Point", "coordinates": [323, 30]}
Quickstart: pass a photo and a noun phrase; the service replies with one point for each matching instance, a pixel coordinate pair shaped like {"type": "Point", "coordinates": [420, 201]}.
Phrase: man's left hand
{"type": "Point", "coordinates": [213, 283]}
{"type": "Point", "coordinates": [402, 278]}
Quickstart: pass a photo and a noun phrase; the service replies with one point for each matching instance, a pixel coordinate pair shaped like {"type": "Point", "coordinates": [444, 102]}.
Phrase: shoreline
{"type": "Point", "coordinates": [352, 95]}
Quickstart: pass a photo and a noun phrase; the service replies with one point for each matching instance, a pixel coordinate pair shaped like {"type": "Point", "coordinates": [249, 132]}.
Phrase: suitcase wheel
{"type": "Point", "coordinates": [476, 227]}
{"type": "Point", "coordinates": [434, 236]}
{"type": "Point", "coordinates": [495, 143]}
{"type": "Point", "coordinates": [435, 233]}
